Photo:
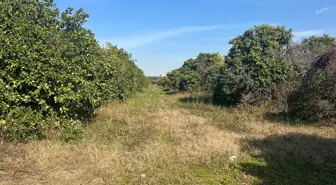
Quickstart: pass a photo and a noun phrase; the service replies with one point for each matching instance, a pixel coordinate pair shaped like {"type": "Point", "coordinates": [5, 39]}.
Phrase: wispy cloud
{"type": "Point", "coordinates": [308, 33]}
{"type": "Point", "coordinates": [323, 10]}
{"type": "Point", "coordinates": [301, 34]}
{"type": "Point", "coordinates": [137, 41]}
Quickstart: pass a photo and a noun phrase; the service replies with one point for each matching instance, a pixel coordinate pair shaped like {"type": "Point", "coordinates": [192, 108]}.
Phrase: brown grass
{"type": "Point", "coordinates": [152, 139]}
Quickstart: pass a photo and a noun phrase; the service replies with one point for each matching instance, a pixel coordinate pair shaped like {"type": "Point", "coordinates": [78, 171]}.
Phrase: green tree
{"type": "Point", "coordinates": [190, 81]}
{"type": "Point", "coordinates": [204, 69]}
{"type": "Point", "coordinates": [210, 77]}
{"type": "Point", "coordinates": [174, 78]}
{"type": "Point", "coordinates": [53, 73]}
{"type": "Point", "coordinates": [208, 67]}
{"type": "Point", "coordinates": [190, 64]}
{"type": "Point", "coordinates": [251, 61]}
{"type": "Point", "coordinates": [204, 61]}
{"type": "Point", "coordinates": [314, 42]}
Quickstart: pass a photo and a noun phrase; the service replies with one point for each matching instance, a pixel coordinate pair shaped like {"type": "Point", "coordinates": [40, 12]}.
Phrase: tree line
{"type": "Point", "coordinates": [265, 64]}
{"type": "Point", "coordinates": [54, 75]}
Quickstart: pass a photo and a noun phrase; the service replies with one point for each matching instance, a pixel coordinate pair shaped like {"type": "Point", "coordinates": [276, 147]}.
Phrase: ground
{"type": "Point", "coordinates": [156, 138]}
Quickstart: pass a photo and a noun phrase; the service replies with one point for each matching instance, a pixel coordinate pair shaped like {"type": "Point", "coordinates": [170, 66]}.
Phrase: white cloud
{"type": "Point", "coordinates": [137, 41]}
{"type": "Point", "coordinates": [323, 10]}
{"type": "Point", "coordinates": [307, 33]}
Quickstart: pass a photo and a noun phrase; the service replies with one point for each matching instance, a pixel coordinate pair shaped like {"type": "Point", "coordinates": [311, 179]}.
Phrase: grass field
{"type": "Point", "coordinates": [156, 138]}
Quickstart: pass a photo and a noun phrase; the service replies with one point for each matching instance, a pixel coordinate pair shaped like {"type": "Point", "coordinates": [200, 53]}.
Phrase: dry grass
{"type": "Point", "coordinates": [156, 139]}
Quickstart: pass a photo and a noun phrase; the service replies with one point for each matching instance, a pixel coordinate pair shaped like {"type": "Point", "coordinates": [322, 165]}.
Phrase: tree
{"type": "Point", "coordinates": [314, 42]}
{"type": "Point", "coordinates": [190, 81]}
{"type": "Point", "coordinates": [252, 61]}
{"type": "Point", "coordinates": [202, 72]}
{"type": "Point", "coordinates": [210, 78]}
{"type": "Point", "coordinates": [301, 55]}
{"type": "Point", "coordinates": [190, 64]}
{"type": "Point", "coordinates": [204, 61]}
{"type": "Point", "coordinates": [53, 73]}
{"type": "Point", "coordinates": [174, 78]}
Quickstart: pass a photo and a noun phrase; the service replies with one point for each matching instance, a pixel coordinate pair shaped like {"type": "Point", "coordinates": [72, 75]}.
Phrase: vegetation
{"type": "Point", "coordinates": [53, 73]}
{"type": "Point", "coordinates": [57, 82]}
{"type": "Point", "coordinates": [316, 98]}
{"type": "Point", "coordinates": [302, 55]}
{"type": "Point", "coordinates": [253, 72]}
{"type": "Point", "coordinates": [195, 74]}
{"type": "Point", "coordinates": [264, 65]}
{"type": "Point", "coordinates": [154, 138]}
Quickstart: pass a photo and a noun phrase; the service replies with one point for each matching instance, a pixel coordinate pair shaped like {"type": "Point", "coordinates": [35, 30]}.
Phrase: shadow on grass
{"type": "Point", "coordinates": [205, 99]}
{"type": "Point", "coordinates": [197, 99]}
{"type": "Point", "coordinates": [280, 117]}
{"type": "Point", "coordinates": [292, 159]}
{"type": "Point", "coordinates": [170, 91]}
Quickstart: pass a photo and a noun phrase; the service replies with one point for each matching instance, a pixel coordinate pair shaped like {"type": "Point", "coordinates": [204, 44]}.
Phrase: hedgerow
{"type": "Point", "coordinates": [264, 64]}
{"type": "Point", "coordinates": [52, 68]}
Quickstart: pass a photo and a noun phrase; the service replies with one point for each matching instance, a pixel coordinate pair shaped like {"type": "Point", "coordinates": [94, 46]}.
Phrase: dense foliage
{"type": "Point", "coordinates": [302, 54]}
{"type": "Point", "coordinates": [253, 72]}
{"type": "Point", "coordinates": [53, 73]}
{"type": "Point", "coordinates": [195, 74]}
{"type": "Point", "coordinates": [265, 64]}
{"type": "Point", "coordinates": [316, 97]}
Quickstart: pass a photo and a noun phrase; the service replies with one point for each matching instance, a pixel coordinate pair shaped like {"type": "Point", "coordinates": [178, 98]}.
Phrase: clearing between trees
{"type": "Point", "coordinates": [157, 138]}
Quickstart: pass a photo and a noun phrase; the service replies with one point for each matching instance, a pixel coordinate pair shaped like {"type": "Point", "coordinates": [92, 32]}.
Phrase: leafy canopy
{"type": "Point", "coordinates": [53, 71]}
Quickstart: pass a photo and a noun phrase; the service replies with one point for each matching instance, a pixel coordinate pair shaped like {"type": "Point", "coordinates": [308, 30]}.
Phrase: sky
{"type": "Point", "coordinates": [162, 34]}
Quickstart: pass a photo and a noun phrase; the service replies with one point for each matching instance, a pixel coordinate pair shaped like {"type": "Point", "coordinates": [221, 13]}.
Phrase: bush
{"type": "Point", "coordinates": [164, 82]}
{"type": "Point", "coordinates": [316, 98]}
{"type": "Point", "coordinates": [229, 88]}
{"type": "Point", "coordinates": [253, 72]}
{"type": "Point", "coordinates": [190, 81]}
{"type": "Point", "coordinates": [210, 78]}
{"type": "Point", "coordinates": [69, 130]}
{"type": "Point", "coordinates": [197, 74]}
{"type": "Point", "coordinates": [22, 124]}
{"type": "Point", "coordinates": [174, 77]}
{"type": "Point", "coordinates": [119, 77]}
{"type": "Point", "coordinates": [53, 67]}
{"type": "Point", "coordinates": [302, 55]}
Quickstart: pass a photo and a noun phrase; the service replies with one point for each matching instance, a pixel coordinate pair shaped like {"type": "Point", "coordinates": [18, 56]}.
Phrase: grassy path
{"type": "Point", "coordinates": [161, 139]}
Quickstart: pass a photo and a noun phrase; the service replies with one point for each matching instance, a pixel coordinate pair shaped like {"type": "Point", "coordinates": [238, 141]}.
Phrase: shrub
{"type": "Point", "coordinates": [164, 82]}
{"type": "Point", "coordinates": [53, 67]}
{"type": "Point", "coordinates": [302, 55]}
{"type": "Point", "coordinates": [22, 123]}
{"type": "Point", "coordinates": [197, 74]}
{"type": "Point", "coordinates": [316, 98]}
{"type": "Point", "coordinates": [229, 88]}
{"type": "Point", "coordinates": [205, 61]}
{"type": "Point", "coordinates": [190, 81]}
{"type": "Point", "coordinates": [210, 78]}
{"type": "Point", "coordinates": [174, 77]}
{"type": "Point", "coordinates": [253, 72]}
{"type": "Point", "coordinates": [69, 130]}
{"type": "Point", "coordinates": [119, 76]}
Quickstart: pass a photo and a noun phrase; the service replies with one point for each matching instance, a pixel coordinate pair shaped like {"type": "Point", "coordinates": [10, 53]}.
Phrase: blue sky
{"type": "Point", "coordinates": [161, 34]}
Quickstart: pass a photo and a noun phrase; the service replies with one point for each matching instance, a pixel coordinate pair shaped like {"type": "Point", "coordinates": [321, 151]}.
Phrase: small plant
{"type": "Point", "coordinates": [70, 130]}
